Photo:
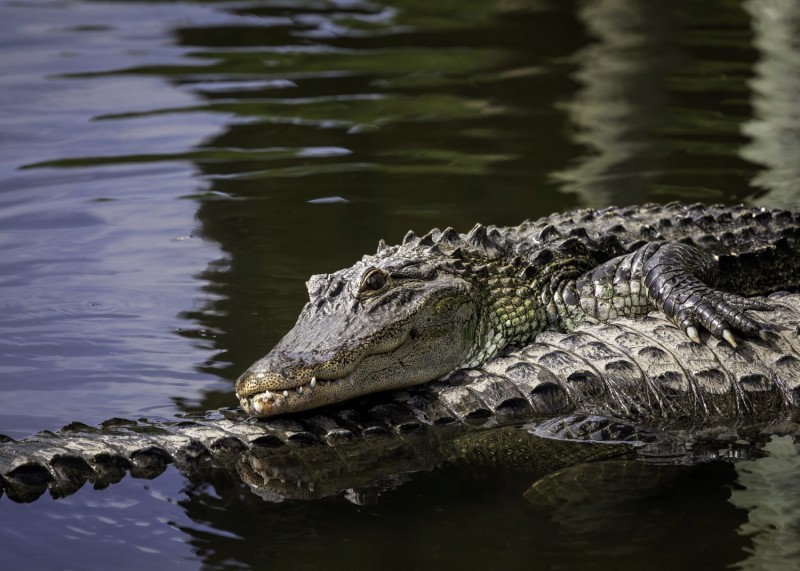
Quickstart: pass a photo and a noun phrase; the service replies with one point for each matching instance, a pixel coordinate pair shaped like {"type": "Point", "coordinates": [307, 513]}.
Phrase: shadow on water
{"type": "Point", "coordinates": [339, 123]}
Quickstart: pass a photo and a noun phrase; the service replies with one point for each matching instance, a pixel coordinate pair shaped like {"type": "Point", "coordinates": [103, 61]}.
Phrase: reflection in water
{"type": "Point", "coordinates": [661, 103]}
{"type": "Point", "coordinates": [441, 496]}
{"type": "Point", "coordinates": [775, 129]}
{"type": "Point", "coordinates": [767, 489]}
{"type": "Point", "coordinates": [611, 509]}
{"type": "Point", "coordinates": [650, 526]}
{"type": "Point", "coordinates": [622, 103]}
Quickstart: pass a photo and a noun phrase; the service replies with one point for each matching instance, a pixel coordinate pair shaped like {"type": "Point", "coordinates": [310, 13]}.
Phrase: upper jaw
{"type": "Point", "coordinates": [279, 383]}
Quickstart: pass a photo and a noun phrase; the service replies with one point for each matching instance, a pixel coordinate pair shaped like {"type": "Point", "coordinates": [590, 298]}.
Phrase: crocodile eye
{"type": "Point", "coordinates": [374, 280]}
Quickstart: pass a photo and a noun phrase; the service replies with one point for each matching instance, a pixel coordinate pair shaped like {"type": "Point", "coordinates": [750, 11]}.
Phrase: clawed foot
{"type": "Point", "coordinates": [675, 277]}
{"type": "Point", "coordinates": [720, 313]}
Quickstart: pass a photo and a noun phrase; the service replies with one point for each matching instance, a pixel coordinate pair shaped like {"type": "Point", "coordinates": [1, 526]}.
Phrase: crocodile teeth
{"type": "Point", "coordinates": [267, 395]}
{"type": "Point", "coordinates": [313, 382]}
{"type": "Point", "coordinates": [299, 390]}
{"type": "Point", "coordinates": [258, 405]}
{"type": "Point", "coordinates": [285, 394]}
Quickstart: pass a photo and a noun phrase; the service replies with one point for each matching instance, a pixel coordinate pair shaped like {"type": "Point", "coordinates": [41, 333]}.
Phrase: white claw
{"type": "Point", "coordinates": [285, 394]}
{"type": "Point", "coordinates": [726, 334]}
{"type": "Point", "coordinates": [692, 333]}
{"type": "Point", "coordinates": [313, 382]}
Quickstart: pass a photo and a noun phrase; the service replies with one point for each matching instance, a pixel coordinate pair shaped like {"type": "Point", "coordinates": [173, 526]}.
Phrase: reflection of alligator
{"type": "Point", "coordinates": [646, 372]}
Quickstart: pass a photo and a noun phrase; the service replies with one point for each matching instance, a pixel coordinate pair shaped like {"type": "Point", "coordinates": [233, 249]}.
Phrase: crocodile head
{"type": "Point", "coordinates": [403, 316]}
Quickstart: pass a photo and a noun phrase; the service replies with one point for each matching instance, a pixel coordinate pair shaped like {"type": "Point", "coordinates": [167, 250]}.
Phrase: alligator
{"type": "Point", "coordinates": [619, 344]}
{"type": "Point", "coordinates": [444, 302]}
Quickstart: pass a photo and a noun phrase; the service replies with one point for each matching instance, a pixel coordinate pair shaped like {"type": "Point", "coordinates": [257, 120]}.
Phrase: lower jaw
{"type": "Point", "coordinates": [261, 405]}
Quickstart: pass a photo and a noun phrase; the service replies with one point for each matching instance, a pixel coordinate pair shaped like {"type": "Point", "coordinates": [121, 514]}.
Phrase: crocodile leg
{"type": "Point", "coordinates": [668, 276]}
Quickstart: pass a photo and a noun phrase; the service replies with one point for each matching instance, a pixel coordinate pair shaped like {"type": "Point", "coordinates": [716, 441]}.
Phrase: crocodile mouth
{"type": "Point", "coordinates": [313, 385]}
{"type": "Point", "coordinates": [271, 402]}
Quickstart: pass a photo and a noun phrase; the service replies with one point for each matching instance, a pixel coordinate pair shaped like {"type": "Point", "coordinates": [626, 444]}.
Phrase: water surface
{"type": "Point", "coordinates": [172, 172]}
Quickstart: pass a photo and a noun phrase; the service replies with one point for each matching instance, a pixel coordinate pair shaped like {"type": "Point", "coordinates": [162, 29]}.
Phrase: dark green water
{"type": "Point", "coordinates": [171, 173]}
